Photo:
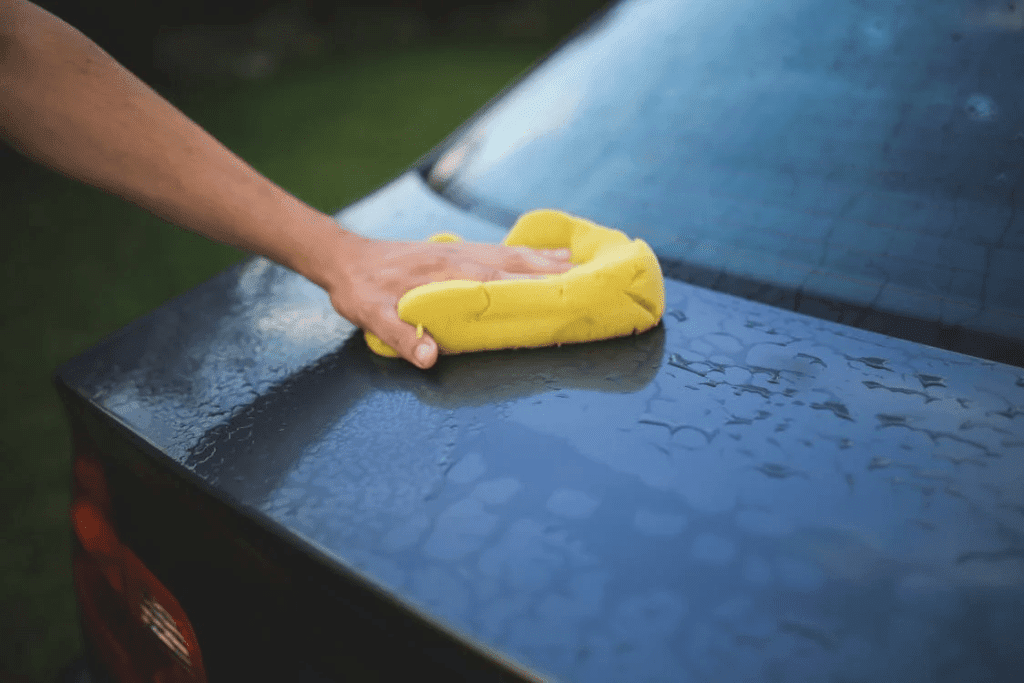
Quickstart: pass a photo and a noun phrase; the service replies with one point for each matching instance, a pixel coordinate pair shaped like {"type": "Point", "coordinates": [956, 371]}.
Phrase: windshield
{"type": "Point", "coordinates": [861, 157]}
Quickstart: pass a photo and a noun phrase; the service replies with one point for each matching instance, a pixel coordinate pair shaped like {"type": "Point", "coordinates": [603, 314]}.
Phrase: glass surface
{"type": "Point", "coordinates": [862, 152]}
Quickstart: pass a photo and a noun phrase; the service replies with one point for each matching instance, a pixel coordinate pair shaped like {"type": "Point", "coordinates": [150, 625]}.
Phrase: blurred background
{"type": "Point", "coordinates": [328, 98]}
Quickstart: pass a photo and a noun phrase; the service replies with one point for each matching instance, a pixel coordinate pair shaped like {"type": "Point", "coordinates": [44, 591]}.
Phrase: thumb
{"type": "Point", "coordinates": [424, 353]}
{"type": "Point", "coordinates": [415, 345]}
{"type": "Point", "coordinates": [399, 338]}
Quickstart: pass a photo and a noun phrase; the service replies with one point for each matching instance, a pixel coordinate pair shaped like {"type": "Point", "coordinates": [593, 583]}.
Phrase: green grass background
{"type": "Point", "coordinates": [78, 264]}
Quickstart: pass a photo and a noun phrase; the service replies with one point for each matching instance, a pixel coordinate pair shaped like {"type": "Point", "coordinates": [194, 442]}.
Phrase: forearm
{"type": "Point", "coordinates": [67, 104]}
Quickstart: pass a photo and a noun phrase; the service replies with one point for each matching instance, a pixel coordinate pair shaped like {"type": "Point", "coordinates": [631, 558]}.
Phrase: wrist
{"type": "Point", "coordinates": [327, 253]}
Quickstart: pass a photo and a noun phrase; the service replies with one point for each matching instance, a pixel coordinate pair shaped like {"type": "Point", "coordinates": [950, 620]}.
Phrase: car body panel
{"type": "Point", "coordinates": [742, 493]}
{"type": "Point", "coordinates": [865, 153]}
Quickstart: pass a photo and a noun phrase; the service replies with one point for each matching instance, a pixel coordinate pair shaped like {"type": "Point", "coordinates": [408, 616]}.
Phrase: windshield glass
{"type": "Point", "coordinates": [841, 152]}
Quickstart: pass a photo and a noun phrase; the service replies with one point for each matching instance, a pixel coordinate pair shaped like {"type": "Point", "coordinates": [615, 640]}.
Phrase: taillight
{"type": "Point", "coordinates": [139, 630]}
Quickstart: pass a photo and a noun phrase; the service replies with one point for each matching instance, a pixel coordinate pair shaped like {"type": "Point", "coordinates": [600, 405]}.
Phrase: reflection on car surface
{"type": "Point", "coordinates": [762, 488]}
{"type": "Point", "coordinates": [856, 158]}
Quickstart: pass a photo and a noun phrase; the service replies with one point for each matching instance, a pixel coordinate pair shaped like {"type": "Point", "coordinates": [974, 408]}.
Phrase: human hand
{"type": "Point", "coordinates": [375, 274]}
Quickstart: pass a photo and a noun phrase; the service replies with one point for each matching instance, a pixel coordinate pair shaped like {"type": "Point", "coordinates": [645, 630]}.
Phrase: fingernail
{"type": "Point", "coordinates": [422, 353]}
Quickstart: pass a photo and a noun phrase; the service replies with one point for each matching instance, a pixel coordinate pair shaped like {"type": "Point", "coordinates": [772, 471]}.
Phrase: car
{"type": "Point", "coordinates": [811, 470]}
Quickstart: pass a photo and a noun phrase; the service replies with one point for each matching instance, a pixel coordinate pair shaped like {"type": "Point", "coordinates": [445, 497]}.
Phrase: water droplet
{"type": "Point", "coordinates": [878, 463]}
{"type": "Point", "coordinates": [980, 108]}
{"type": "Point", "coordinates": [778, 471]}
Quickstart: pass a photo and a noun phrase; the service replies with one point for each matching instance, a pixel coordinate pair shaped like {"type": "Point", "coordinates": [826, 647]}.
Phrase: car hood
{"type": "Point", "coordinates": [742, 493]}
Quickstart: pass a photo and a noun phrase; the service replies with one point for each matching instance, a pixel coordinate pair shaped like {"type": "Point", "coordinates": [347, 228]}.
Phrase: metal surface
{"type": "Point", "coordinates": [743, 493]}
{"type": "Point", "coordinates": [865, 152]}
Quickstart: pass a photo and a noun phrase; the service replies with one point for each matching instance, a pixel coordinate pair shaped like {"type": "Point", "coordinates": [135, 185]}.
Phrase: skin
{"type": "Point", "coordinates": [68, 105]}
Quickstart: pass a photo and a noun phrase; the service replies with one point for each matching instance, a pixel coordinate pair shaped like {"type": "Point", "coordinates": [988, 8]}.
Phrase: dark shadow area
{"type": "Point", "coordinates": [169, 44]}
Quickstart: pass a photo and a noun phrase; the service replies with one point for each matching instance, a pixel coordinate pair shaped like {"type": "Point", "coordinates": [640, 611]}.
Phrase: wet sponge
{"type": "Point", "coordinates": [615, 288]}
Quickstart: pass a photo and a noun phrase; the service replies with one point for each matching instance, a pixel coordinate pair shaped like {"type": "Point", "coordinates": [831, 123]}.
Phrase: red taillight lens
{"type": "Point", "coordinates": [138, 628]}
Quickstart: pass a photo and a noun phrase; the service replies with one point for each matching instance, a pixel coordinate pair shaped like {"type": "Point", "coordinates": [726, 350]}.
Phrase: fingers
{"type": "Point", "coordinates": [486, 262]}
{"type": "Point", "coordinates": [413, 344]}
{"type": "Point", "coordinates": [558, 254]}
{"type": "Point", "coordinates": [546, 261]}
{"type": "Point", "coordinates": [545, 255]}
{"type": "Point", "coordinates": [367, 292]}
{"type": "Point", "coordinates": [424, 353]}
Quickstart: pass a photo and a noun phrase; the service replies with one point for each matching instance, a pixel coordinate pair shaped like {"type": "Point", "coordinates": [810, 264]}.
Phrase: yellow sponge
{"type": "Point", "coordinates": [615, 288]}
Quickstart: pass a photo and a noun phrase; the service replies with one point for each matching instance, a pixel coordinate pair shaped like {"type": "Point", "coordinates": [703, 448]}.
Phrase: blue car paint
{"type": "Point", "coordinates": [867, 154]}
{"type": "Point", "coordinates": [743, 493]}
